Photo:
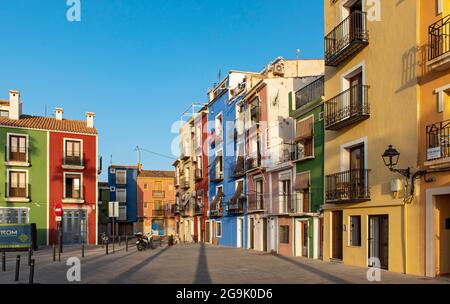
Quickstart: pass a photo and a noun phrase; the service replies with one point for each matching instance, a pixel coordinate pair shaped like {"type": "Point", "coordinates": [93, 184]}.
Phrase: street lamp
{"type": "Point", "coordinates": [390, 159]}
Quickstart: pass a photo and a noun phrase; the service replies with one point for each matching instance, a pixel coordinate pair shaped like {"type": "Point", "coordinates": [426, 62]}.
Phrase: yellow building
{"type": "Point", "coordinates": [434, 133]}
{"type": "Point", "coordinates": [371, 94]}
{"type": "Point", "coordinates": [185, 183]}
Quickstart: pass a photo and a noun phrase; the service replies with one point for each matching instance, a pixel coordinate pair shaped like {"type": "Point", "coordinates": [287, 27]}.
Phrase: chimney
{"type": "Point", "coordinates": [90, 119]}
{"type": "Point", "coordinates": [59, 113]}
{"type": "Point", "coordinates": [15, 106]}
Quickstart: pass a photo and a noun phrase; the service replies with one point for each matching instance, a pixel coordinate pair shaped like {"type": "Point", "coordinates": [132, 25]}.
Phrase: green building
{"type": "Point", "coordinates": [307, 105]}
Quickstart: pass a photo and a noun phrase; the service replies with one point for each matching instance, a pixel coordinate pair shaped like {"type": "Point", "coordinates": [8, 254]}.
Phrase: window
{"type": "Point", "coordinates": [121, 177]}
{"type": "Point", "coordinates": [14, 215]}
{"type": "Point", "coordinates": [218, 229]}
{"type": "Point", "coordinates": [18, 148]}
{"type": "Point", "coordinates": [219, 126]}
{"type": "Point", "coordinates": [121, 195]}
{"type": "Point", "coordinates": [158, 205]}
{"type": "Point", "coordinates": [355, 231]}
{"type": "Point", "coordinates": [198, 137]}
{"type": "Point", "coordinates": [73, 152]}
{"type": "Point", "coordinates": [285, 196]}
{"type": "Point", "coordinates": [439, 6]}
{"type": "Point", "coordinates": [145, 186]}
{"type": "Point", "coordinates": [73, 186]}
{"type": "Point", "coordinates": [305, 138]}
{"type": "Point", "coordinates": [284, 234]}
{"type": "Point", "coordinates": [17, 184]}
{"type": "Point", "coordinates": [4, 113]}
{"type": "Point", "coordinates": [158, 186]}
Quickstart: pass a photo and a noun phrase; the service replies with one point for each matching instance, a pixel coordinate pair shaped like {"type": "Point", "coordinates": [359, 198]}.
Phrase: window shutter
{"type": "Point", "coordinates": [301, 181]}
{"type": "Point", "coordinates": [304, 129]}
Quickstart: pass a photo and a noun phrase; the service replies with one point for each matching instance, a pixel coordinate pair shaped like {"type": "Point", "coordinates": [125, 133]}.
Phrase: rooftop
{"type": "Point", "coordinates": [157, 173]}
{"type": "Point", "coordinates": [48, 123]}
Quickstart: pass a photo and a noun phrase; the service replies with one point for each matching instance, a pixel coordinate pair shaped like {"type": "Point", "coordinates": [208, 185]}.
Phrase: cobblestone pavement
{"type": "Point", "coordinates": [192, 263]}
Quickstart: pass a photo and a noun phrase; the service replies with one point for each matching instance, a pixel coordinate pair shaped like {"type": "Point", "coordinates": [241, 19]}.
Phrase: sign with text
{"type": "Point", "coordinates": [433, 153]}
{"type": "Point", "coordinates": [113, 209]}
{"type": "Point", "coordinates": [15, 236]}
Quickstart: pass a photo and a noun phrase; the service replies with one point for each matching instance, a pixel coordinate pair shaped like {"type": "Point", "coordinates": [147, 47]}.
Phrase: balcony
{"type": "Point", "coordinates": [310, 93]}
{"type": "Point", "coordinates": [438, 143]}
{"type": "Point", "coordinates": [215, 175]}
{"type": "Point", "coordinates": [73, 163]}
{"type": "Point", "coordinates": [439, 45]}
{"type": "Point", "coordinates": [255, 203]}
{"type": "Point", "coordinates": [349, 107]}
{"type": "Point", "coordinates": [216, 210]}
{"type": "Point", "coordinates": [170, 211]}
{"type": "Point", "coordinates": [236, 206]}
{"type": "Point", "coordinates": [350, 186]}
{"type": "Point", "coordinates": [185, 183]}
{"type": "Point", "coordinates": [198, 209]}
{"type": "Point", "coordinates": [253, 163]}
{"type": "Point", "coordinates": [176, 209]}
{"type": "Point", "coordinates": [198, 173]}
{"type": "Point", "coordinates": [346, 39]}
{"type": "Point", "coordinates": [157, 213]}
{"type": "Point", "coordinates": [158, 193]}
{"type": "Point", "coordinates": [237, 169]}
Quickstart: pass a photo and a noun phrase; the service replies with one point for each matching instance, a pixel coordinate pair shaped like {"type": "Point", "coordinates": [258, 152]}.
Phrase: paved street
{"type": "Point", "coordinates": [192, 263]}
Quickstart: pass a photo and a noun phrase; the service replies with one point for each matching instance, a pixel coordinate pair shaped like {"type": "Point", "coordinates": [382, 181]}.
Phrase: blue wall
{"type": "Point", "coordinates": [229, 147]}
{"type": "Point", "coordinates": [131, 188]}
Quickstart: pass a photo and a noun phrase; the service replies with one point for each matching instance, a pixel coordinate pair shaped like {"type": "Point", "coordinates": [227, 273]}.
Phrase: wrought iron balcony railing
{"type": "Point", "coordinates": [347, 108]}
{"type": "Point", "coordinates": [438, 140]}
{"type": "Point", "coordinates": [255, 202]}
{"type": "Point", "coordinates": [237, 169]}
{"type": "Point", "coordinates": [312, 92]}
{"type": "Point", "coordinates": [253, 162]}
{"type": "Point", "coordinates": [216, 210]}
{"type": "Point", "coordinates": [236, 207]}
{"type": "Point", "coordinates": [215, 175]}
{"type": "Point", "coordinates": [158, 212]}
{"type": "Point", "coordinates": [158, 193]}
{"type": "Point", "coordinates": [439, 38]}
{"type": "Point", "coordinates": [73, 161]}
{"type": "Point", "coordinates": [346, 39]}
{"type": "Point", "coordinates": [198, 209]}
{"type": "Point", "coordinates": [348, 186]}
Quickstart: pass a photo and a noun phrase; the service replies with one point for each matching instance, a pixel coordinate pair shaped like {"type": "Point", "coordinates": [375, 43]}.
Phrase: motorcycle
{"type": "Point", "coordinates": [142, 241]}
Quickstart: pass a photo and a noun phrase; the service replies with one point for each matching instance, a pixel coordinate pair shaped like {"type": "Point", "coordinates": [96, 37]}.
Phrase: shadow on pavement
{"type": "Point", "coordinates": [202, 273]}
{"type": "Point", "coordinates": [315, 271]}
{"type": "Point", "coordinates": [137, 267]}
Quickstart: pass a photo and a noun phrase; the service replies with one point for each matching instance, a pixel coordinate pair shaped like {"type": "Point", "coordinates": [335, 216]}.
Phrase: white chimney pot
{"type": "Point", "coordinates": [59, 113]}
{"type": "Point", "coordinates": [15, 106]}
{"type": "Point", "coordinates": [90, 119]}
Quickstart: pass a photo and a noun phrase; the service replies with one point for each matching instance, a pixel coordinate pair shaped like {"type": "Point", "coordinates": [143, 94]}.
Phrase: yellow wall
{"type": "Point", "coordinates": [390, 64]}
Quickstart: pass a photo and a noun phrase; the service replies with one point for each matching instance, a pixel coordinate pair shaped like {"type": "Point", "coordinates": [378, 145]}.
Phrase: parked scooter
{"type": "Point", "coordinates": [143, 241]}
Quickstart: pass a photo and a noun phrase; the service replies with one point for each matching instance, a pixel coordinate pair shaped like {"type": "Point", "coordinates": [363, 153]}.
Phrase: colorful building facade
{"type": "Point", "coordinates": [155, 202]}
{"type": "Point", "coordinates": [122, 180]}
{"type": "Point", "coordinates": [49, 161]}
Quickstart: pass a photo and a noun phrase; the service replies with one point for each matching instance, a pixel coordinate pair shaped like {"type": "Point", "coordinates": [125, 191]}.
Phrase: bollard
{"type": "Point", "coordinates": [151, 243]}
{"type": "Point", "coordinates": [30, 253]}
{"type": "Point", "coordinates": [120, 241]}
{"type": "Point", "coordinates": [103, 242]}
{"type": "Point", "coordinates": [54, 253]}
{"type": "Point", "coordinates": [113, 247]}
{"type": "Point", "coordinates": [126, 243]}
{"type": "Point", "coordinates": [31, 277]}
{"type": "Point", "coordinates": [82, 250]}
{"type": "Point", "coordinates": [16, 277]}
{"type": "Point", "coordinates": [107, 245]}
{"type": "Point", "coordinates": [59, 255]}
{"type": "Point", "coordinates": [3, 261]}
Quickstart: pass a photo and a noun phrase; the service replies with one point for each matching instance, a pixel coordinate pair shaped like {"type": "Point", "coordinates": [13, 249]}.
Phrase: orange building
{"type": "Point", "coordinates": [155, 202]}
{"type": "Point", "coordinates": [434, 137]}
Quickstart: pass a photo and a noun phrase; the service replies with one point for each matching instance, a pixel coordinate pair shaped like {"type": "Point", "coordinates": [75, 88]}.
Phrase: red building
{"type": "Point", "coordinates": [73, 171]}
{"type": "Point", "coordinates": [201, 174]}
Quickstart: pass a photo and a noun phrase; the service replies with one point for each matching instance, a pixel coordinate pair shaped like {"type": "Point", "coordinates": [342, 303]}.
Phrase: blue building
{"type": "Point", "coordinates": [122, 182]}
{"type": "Point", "coordinates": [227, 182]}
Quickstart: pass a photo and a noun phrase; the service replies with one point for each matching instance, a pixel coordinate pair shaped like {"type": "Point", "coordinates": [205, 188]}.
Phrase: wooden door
{"type": "Point", "coordinates": [337, 235]}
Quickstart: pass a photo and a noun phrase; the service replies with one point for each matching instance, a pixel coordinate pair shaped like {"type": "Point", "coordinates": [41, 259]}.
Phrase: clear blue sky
{"type": "Point", "coordinates": [138, 64]}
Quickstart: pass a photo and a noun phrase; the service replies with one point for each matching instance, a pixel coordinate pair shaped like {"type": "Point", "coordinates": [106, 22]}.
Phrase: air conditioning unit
{"type": "Point", "coordinates": [242, 85]}
{"type": "Point", "coordinates": [112, 170]}
{"type": "Point", "coordinates": [112, 189]}
{"type": "Point", "coordinates": [278, 69]}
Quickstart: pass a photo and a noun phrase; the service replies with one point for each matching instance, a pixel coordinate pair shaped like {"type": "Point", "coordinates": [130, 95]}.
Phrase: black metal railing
{"type": "Point", "coordinates": [198, 209]}
{"type": "Point", "coordinates": [73, 161]}
{"type": "Point", "coordinates": [158, 193]}
{"type": "Point", "coordinates": [215, 175]}
{"type": "Point", "coordinates": [348, 186]}
{"type": "Point", "coordinates": [439, 38]}
{"type": "Point", "coordinates": [237, 168]}
{"type": "Point", "coordinates": [216, 209]}
{"type": "Point", "coordinates": [157, 212]}
{"type": "Point", "coordinates": [253, 162]}
{"type": "Point", "coordinates": [347, 38]}
{"type": "Point", "coordinates": [255, 202]}
{"type": "Point", "coordinates": [236, 207]}
{"type": "Point", "coordinates": [310, 93]}
{"type": "Point", "coordinates": [438, 140]}
{"type": "Point", "coordinates": [347, 108]}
